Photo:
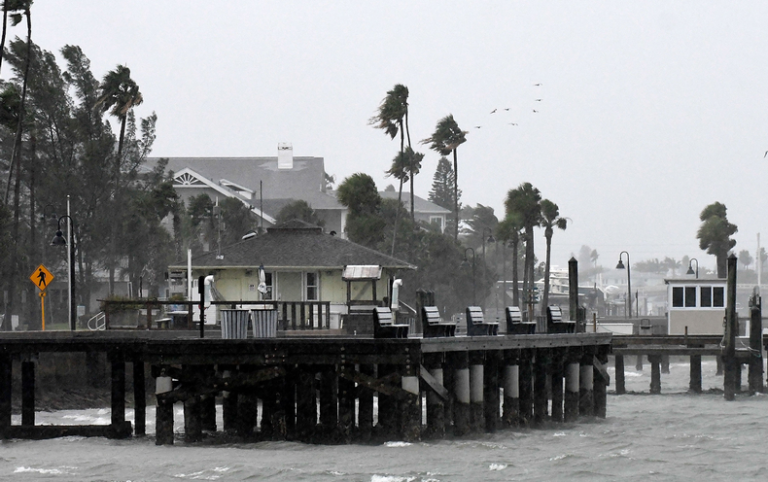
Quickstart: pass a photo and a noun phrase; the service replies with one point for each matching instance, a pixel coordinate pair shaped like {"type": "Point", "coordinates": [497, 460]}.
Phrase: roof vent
{"type": "Point", "coordinates": [284, 156]}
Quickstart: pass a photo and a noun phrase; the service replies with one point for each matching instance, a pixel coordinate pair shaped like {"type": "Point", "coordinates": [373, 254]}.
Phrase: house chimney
{"type": "Point", "coordinates": [284, 156]}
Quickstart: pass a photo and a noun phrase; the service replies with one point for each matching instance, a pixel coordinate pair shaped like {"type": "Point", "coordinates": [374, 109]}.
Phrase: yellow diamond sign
{"type": "Point", "coordinates": [41, 277]}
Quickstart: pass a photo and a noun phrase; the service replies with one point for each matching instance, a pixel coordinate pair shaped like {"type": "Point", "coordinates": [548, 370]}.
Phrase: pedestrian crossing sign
{"type": "Point", "coordinates": [41, 277]}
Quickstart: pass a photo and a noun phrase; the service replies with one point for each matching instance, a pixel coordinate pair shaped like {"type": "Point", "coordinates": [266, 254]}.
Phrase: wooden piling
{"type": "Point", "coordinates": [586, 384]}
{"type": "Point", "coordinates": [435, 407]}
{"type": "Point", "coordinates": [461, 405]}
{"type": "Point", "coordinates": [410, 404]}
{"type": "Point", "coordinates": [655, 361]}
{"type": "Point", "coordinates": [600, 382]}
{"type": "Point", "coordinates": [117, 359]}
{"type": "Point", "coordinates": [694, 385]}
{"type": "Point", "coordinates": [639, 363]}
{"type": "Point", "coordinates": [228, 401]}
{"type": "Point", "coordinates": [665, 364]}
{"type": "Point", "coordinates": [755, 374]}
{"type": "Point", "coordinates": [306, 404]}
{"type": "Point", "coordinates": [139, 397]}
{"type": "Point", "coordinates": [526, 386]}
{"type": "Point", "coordinates": [540, 395]}
{"type": "Point", "coordinates": [329, 383]}
{"type": "Point", "coordinates": [247, 412]}
{"type": "Point", "coordinates": [193, 427]}
{"type": "Point", "coordinates": [557, 375]}
{"type": "Point", "coordinates": [346, 421]}
{"type": "Point", "coordinates": [572, 372]}
{"type": "Point", "coordinates": [28, 393]}
{"type": "Point", "coordinates": [163, 410]}
{"type": "Point", "coordinates": [476, 391]}
{"type": "Point", "coordinates": [365, 405]}
{"type": "Point", "coordinates": [511, 406]}
{"type": "Point", "coordinates": [731, 328]}
{"type": "Point", "coordinates": [618, 363]}
{"type": "Point", "coordinates": [491, 384]}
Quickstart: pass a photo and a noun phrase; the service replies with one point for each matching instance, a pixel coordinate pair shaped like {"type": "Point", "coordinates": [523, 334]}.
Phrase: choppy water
{"type": "Point", "coordinates": [668, 437]}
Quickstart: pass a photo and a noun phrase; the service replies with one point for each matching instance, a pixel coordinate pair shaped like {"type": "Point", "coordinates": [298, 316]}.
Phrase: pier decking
{"type": "Point", "coordinates": [322, 389]}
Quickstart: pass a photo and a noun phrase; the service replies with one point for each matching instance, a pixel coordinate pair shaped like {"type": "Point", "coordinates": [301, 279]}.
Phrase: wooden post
{"type": "Point", "coordinates": [600, 381]}
{"type": "Point", "coordinates": [655, 373]}
{"type": "Point", "coordinates": [6, 385]}
{"type": "Point", "coordinates": [476, 391]}
{"type": "Point", "coordinates": [756, 345]}
{"type": "Point", "coordinates": [573, 293]}
{"type": "Point", "coordinates": [365, 405]}
{"type": "Point", "coordinates": [346, 421]}
{"type": "Point", "coordinates": [193, 427]}
{"type": "Point", "coordinates": [557, 385]}
{"type": "Point", "coordinates": [306, 404]}
{"type": "Point", "coordinates": [731, 321]}
{"type": "Point", "coordinates": [461, 406]}
{"type": "Point", "coordinates": [572, 372]}
{"type": "Point", "coordinates": [388, 416]}
{"type": "Point", "coordinates": [665, 364]}
{"type": "Point", "coordinates": [586, 384]}
{"type": "Point", "coordinates": [139, 397]}
{"type": "Point", "coordinates": [639, 363]}
{"type": "Point", "coordinates": [540, 395]}
{"type": "Point", "coordinates": [410, 406]}
{"type": "Point", "coordinates": [247, 409]}
{"type": "Point", "coordinates": [435, 407]}
{"type": "Point", "coordinates": [695, 382]}
{"type": "Point", "coordinates": [228, 401]}
{"type": "Point", "coordinates": [269, 400]}
{"type": "Point", "coordinates": [28, 393]}
{"type": "Point", "coordinates": [511, 407]}
{"type": "Point", "coordinates": [526, 386]}
{"type": "Point", "coordinates": [287, 405]}
{"type": "Point", "coordinates": [618, 362]}
{"type": "Point", "coordinates": [491, 384]}
{"type": "Point", "coordinates": [163, 410]}
{"type": "Point", "coordinates": [328, 400]}
{"type": "Point", "coordinates": [118, 391]}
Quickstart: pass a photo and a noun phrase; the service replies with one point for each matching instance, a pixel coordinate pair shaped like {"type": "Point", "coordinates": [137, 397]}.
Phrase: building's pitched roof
{"type": "Point", "coordinates": [420, 205]}
{"type": "Point", "coordinates": [305, 181]}
{"type": "Point", "coordinates": [295, 245]}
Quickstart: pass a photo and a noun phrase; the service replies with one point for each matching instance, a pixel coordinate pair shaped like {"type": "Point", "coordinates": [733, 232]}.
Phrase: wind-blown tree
{"type": "Point", "coordinates": [550, 219]}
{"type": "Point", "coordinates": [364, 222]}
{"type": "Point", "coordinates": [715, 233]}
{"type": "Point", "coordinates": [442, 185]}
{"type": "Point", "coordinates": [509, 231]}
{"type": "Point", "coordinates": [300, 210]}
{"type": "Point", "coordinates": [16, 8]}
{"type": "Point", "coordinates": [119, 94]}
{"type": "Point", "coordinates": [446, 140]}
{"type": "Point", "coordinates": [745, 258]}
{"type": "Point", "coordinates": [525, 201]}
{"type": "Point", "coordinates": [482, 223]}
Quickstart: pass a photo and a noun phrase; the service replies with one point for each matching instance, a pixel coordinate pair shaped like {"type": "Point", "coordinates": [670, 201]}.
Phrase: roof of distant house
{"type": "Point", "coordinates": [295, 245]}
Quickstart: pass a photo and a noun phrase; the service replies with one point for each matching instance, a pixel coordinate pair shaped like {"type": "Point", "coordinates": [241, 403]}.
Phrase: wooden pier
{"type": "Point", "coordinates": [324, 389]}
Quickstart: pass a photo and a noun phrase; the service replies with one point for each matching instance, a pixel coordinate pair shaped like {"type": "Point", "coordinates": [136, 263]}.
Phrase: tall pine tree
{"type": "Point", "coordinates": [442, 185]}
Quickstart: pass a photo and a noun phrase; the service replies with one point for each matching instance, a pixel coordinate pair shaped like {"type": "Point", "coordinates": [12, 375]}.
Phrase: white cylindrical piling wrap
{"type": "Point", "coordinates": [586, 374]}
{"type": "Point", "coordinates": [462, 385]}
{"type": "Point", "coordinates": [476, 379]}
{"type": "Point", "coordinates": [512, 381]}
{"type": "Point", "coordinates": [163, 384]}
{"type": "Point", "coordinates": [410, 384]}
{"type": "Point", "coordinates": [572, 378]}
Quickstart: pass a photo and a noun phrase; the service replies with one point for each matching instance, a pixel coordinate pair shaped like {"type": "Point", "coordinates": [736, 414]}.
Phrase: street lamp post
{"type": "Point", "coordinates": [59, 240]}
{"type": "Point", "coordinates": [473, 273]}
{"type": "Point", "coordinates": [620, 265]}
{"type": "Point", "coordinates": [690, 267]}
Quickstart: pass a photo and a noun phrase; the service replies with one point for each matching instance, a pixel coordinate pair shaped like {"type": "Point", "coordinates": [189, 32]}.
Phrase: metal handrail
{"type": "Point", "coordinates": [100, 320]}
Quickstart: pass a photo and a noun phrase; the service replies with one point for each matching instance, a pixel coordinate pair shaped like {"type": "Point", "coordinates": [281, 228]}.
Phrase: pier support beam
{"type": "Point", "coordinates": [28, 393]}
{"type": "Point", "coordinates": [491, 384]}
{"type": "Point", "coordinates": [526, 386]}
{"type": "Point", "coordinates": [193, 427]}
{"type": "Point", "coordinates": [435, 406]}
{"type": "Point", "coordinates": [163, 410]}
{"type": "Point", "coordinates": [365, 405]}
{"type": "Point", "coordinates": [329, 383]}
{"type": "Point", "coordinates": [557, 375]}
{"type": "Point", "coordinates": [139, 397]}
{"type": "Point", "coordinates": [572, 372]}
{"type": "Point", "coordinates": [306, 404]}
{"type": "Point", "coordinates": [618, 362]}
{"type": "Point", "coordinates": [410, 405]}
{"type": "Point", "coordinates": [118, 426]}
{"type": "Point", "coordinates": [755, 374]}
{"type": "Point", "coordinates": [695, 383]}
{"type": "Point", "coordinates": [586, 384]}
{"type": "Point", "coordinates": [511, 408]}
{"type": "Point", "coordinates": [655, 373]}
{"type": "Point", "coordinates": [228, 401]}
{"type": "Point", "coordinates": [541, 398]}
{"type": "Point", "coordinates": [600, 381]}
{"type": "Point", "coordinates": [461, 406]}
{"type": "Point", "coordinates": [476, 391]}
{"type": "Point", "coordinates": [6, 380]}
{"type": "Point", "coordinates": [346, 395]}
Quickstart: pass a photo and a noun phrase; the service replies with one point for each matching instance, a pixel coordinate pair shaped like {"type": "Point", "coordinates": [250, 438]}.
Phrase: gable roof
{"type": "Point", "coordinates": [420, 205]}
{"type": "Point", "coordinates": [247, 175]}
{"type": "Point", "coordinates": [296, 245]}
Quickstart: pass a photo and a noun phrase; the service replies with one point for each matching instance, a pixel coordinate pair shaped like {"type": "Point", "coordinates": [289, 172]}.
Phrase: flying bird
{"type": "Point", "coordinates": [513, 123]}
{"type": "Point", "coordinates": [478, 127]}
{"type": "Point", "coordinates": [537, 85]}
{"type": "Point", "coordinates": [493, 111]}
{"type": "Point", "coordinates": [506, 108]}
{"type": "Point", "coordinates": [537, 100]}
{"type": "Point", "coordinates": [534, 110]}
{"type": "Point", "coordinates": [766, 154]}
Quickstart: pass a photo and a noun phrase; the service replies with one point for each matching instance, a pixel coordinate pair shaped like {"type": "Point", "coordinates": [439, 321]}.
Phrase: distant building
{"type": "Point", "coordinates": [695, 305]}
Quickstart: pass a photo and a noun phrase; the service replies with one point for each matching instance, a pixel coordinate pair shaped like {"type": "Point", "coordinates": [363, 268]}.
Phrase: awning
{"type": "Point", "coordinates": [361, 272]}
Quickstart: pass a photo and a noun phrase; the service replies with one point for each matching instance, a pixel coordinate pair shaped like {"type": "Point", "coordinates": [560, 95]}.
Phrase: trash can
{"type": "Point", "coordinates": [264, 323]}
{"type": "Point", "coordinates": [234, 324]}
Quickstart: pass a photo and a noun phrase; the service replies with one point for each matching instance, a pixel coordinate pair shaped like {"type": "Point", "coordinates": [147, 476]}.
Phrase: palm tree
{"type": "Point", "coordinates": [508, 231]}
{"type": "Point", "coordinates": [119, 93]}
{"type": "Point", "coordinates": [16, 8]}
{"type": "Point", "coordinates": [446, 139]}
{"type": "Point", "coordinates": [525, 200]}
{"type": "Point", "coordinates": [550, 219]}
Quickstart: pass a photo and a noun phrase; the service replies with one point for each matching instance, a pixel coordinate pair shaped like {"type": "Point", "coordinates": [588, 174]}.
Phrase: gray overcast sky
{"type": "Point", "coordinates": [649, 110]}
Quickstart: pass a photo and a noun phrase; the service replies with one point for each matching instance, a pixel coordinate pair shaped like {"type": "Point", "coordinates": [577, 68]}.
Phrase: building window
{"type": "Point", "coordinates": [438, 221]}
{"type": "Point", "coordinates": [677, 297]}
{"type": "Point", "coordinates": [311, 283]}
{"type": "Point", "coordinates": [268, 277]}
{"type": "Point", "coordinates": [690, 296]}
{"type": "Point", "coordinates": [706, 296]}
{"type": "Point", "coordinates": [718, 297]}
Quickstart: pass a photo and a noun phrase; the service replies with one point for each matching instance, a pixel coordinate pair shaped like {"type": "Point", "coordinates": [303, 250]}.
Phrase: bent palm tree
{"type": "Point", "coordinates": [118, 95]}
{"type": "Point", "coordinates": [526, 201]}
{"type": "Point", "coordinates": [446, 139]}
{"type": "Point", "coordinates": [550, 219]}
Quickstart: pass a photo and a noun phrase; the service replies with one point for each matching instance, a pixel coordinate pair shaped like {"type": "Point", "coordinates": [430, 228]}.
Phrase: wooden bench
{"type": "Point", "coordinates": [476, 324]}
{"type": "Point", "coordinates": [434, 325]}
{"type": "Point", "coordinates": [515, 323]}
{"type": "Point", "coordinates": [555, 323]}
{"type": "Point", "coordinates": [385, 326]}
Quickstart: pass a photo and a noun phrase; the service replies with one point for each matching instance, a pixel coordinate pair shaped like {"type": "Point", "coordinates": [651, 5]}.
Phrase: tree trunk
{"type": "Point", "coordinates": [545, 298]}
{"type": "Point", "coordinates": [515, 274]}
{"type": "Point", "coordinates": [455, 195]}
{"type": "Point", "coordinates": [5, 29]}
